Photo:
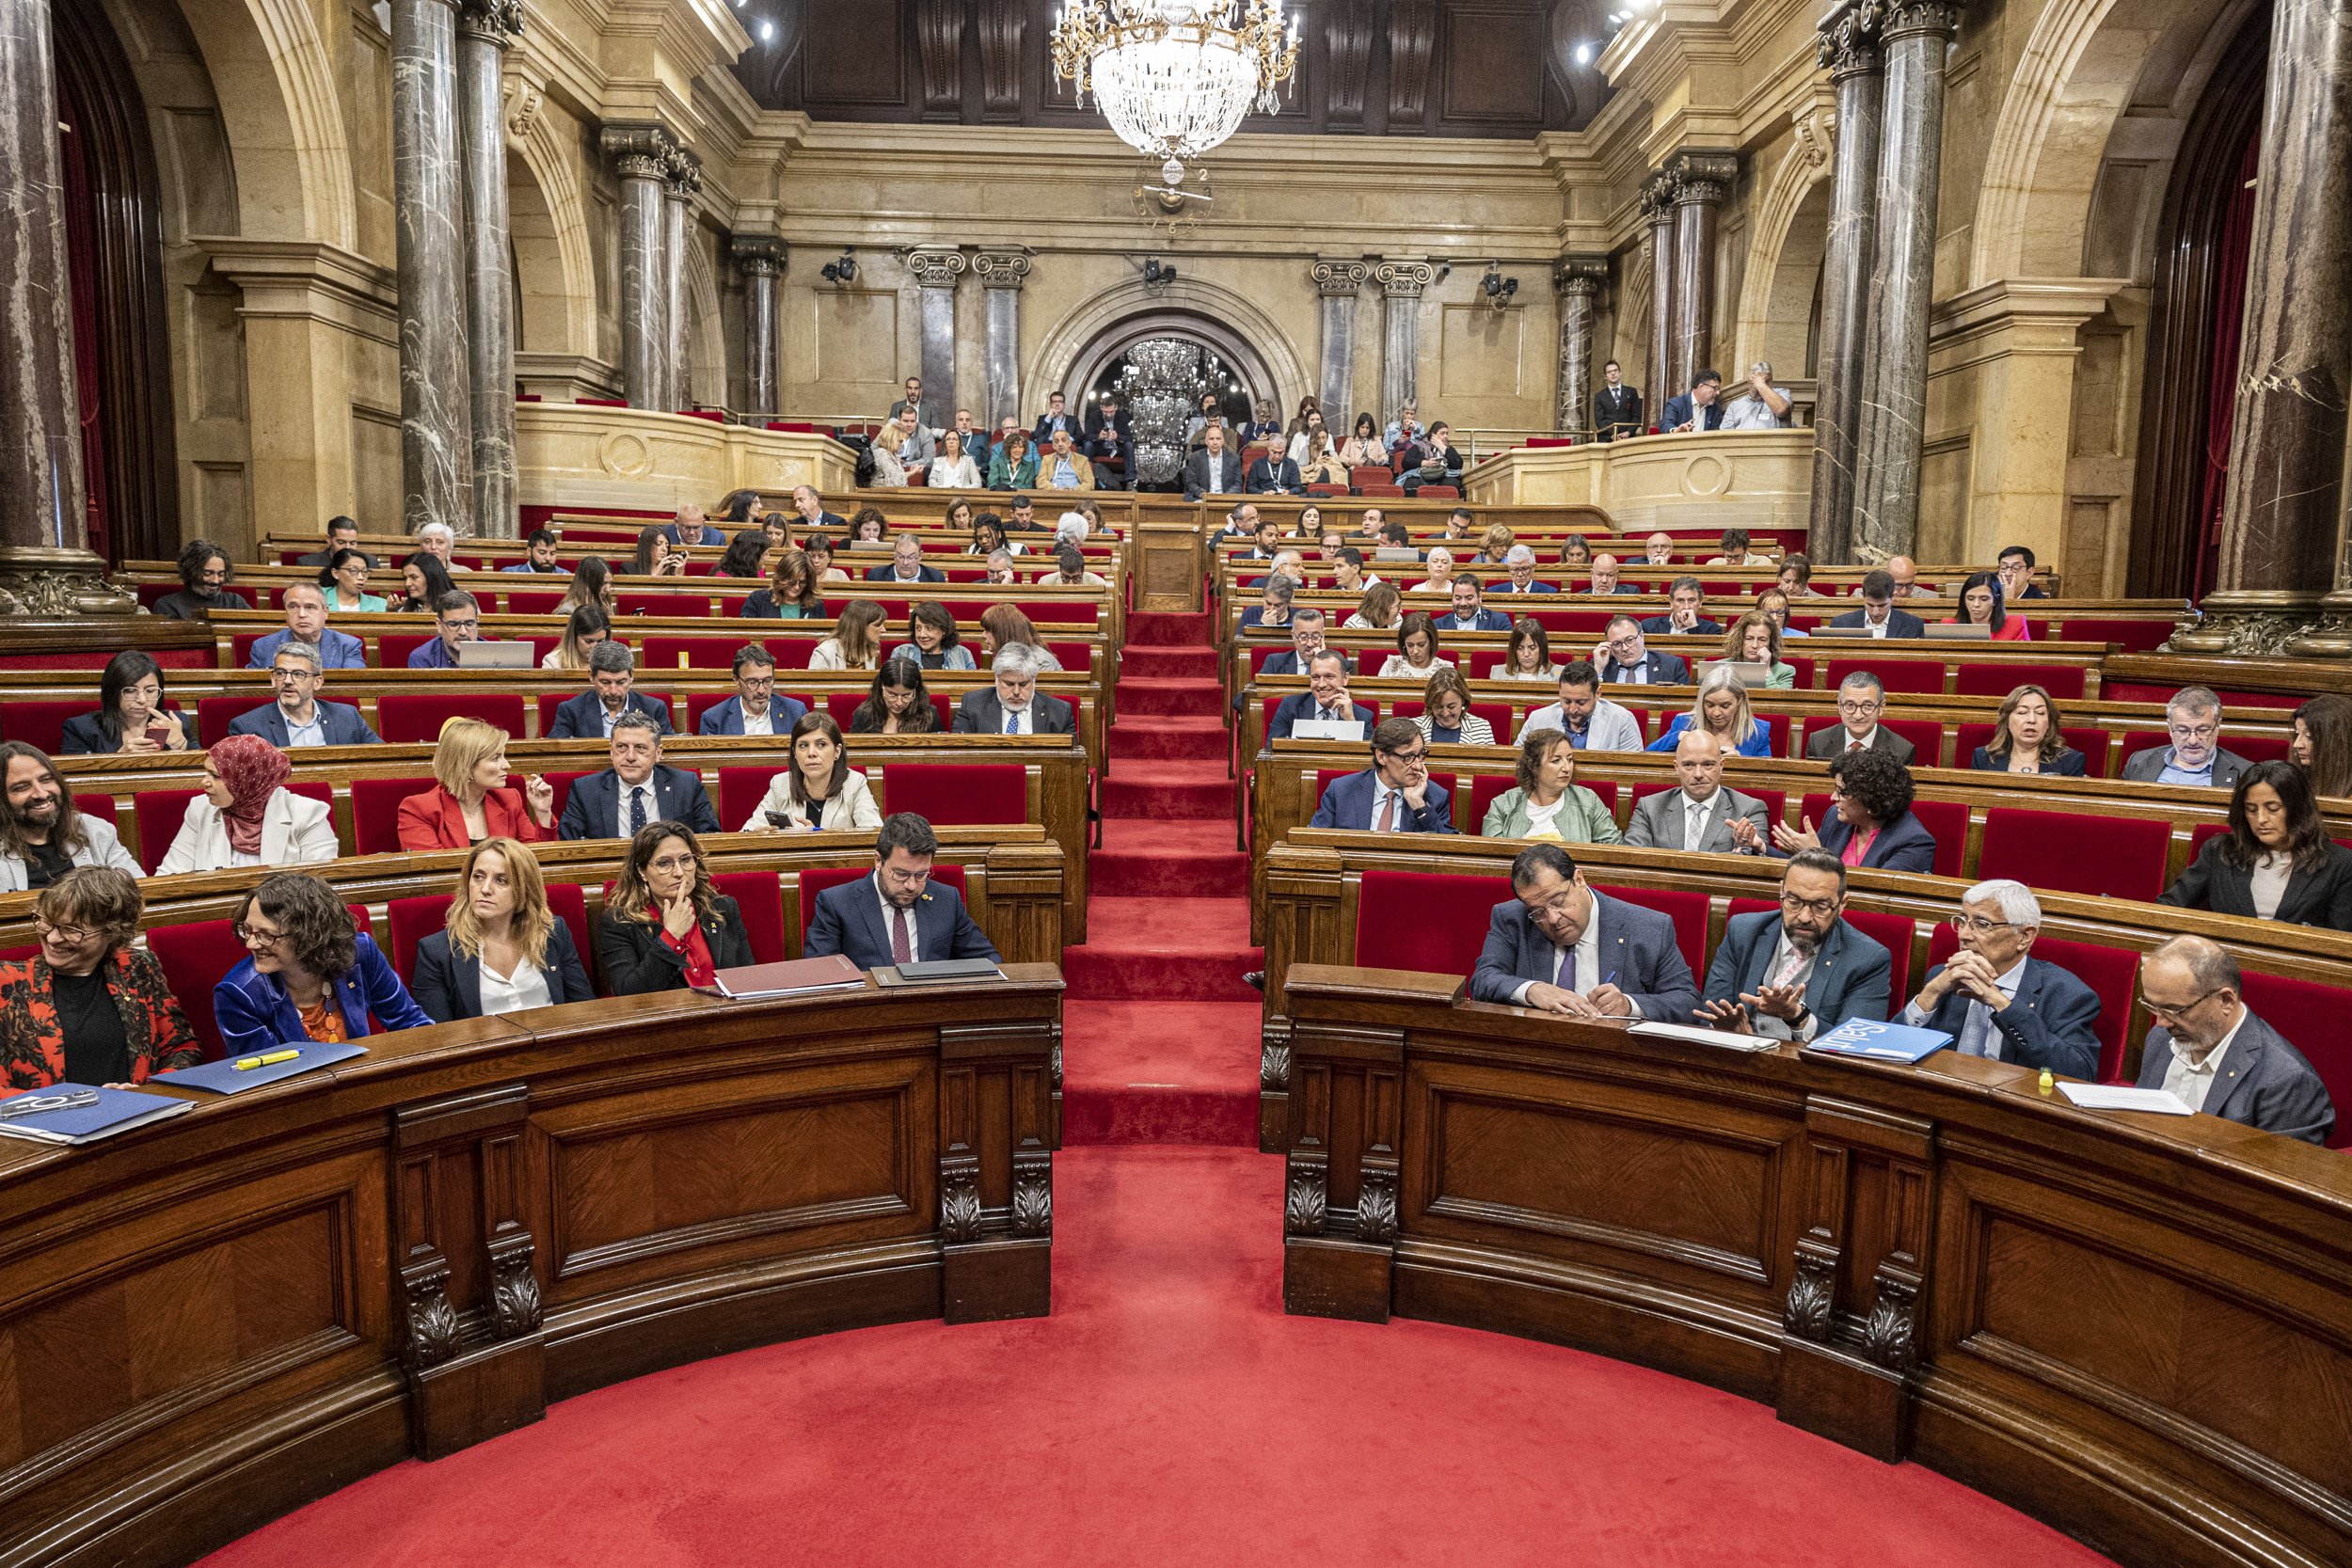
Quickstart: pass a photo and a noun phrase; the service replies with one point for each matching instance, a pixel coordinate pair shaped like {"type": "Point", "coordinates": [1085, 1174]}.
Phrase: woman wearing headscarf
{"type": "Point", "coordinates": [248, 816]}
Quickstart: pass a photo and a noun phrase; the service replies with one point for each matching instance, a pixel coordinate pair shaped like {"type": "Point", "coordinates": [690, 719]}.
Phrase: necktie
{"type": "Point", "coordinates": [1693, 823]}
{"type": "Point", "coordinates": [1853, 745]}
{"type": "Point", "coordinates": [1012, 722]}
{"type": "Point", "coordinates": [1387, 814]}
{"type": "Point", "coordinates": [636, 810]}
{"type": "Point", "coordinates": [1974, 1029]}
{"type": "Point", "coordinates": [901, 944]}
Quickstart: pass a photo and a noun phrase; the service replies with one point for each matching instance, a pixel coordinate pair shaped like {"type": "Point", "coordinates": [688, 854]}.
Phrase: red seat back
{"type": "Point", "coordinates": [2107, 971]}
{"type": "Point", "coordinates": [96, 804]}
{"type": "Point", "coordinates": [2131, 637]}
{"type": "Point", "coordinates": [2310, 1015]}
{"type": "Point", "coordinates": [195, 957]}
{"type": "Point", "coordinates": [160, 812]}
{"type": "Point", "coordinates": [42, 724]}
{"type": "Point", "coordinates": [2075, 851]}
{"type": "Point", "coordinates": [694, 653]}
{"type": "Point", "coordinates": [816, 879]}
{"type": "Point", "coordinates": [760, 896]}
{"type": "Point", "coordinates": [1434, 924]}
{"type": "Point", "coordinates": [214, 715]}
{"type": "Point", "coordinates": [1893, 932]}
{"type": "Point", "coordinates": [415, 717]}
{"type": "Point", "coordinates": [1895, 674]}
{"type": "Point", "coordinates": [740, 790]}
{"type": "Point", "coordinates": [1485, 789]}
{"type": "Point", "coordinates": [1688, 911]}
{"type": "Point", "coordinates": [376, 812]}
{"type": "Point", "coordinates": [523, 601]}
{"type": "Point", "coordinates": [2000, 680]}
{"type": "Point", "coordinates": [949, 793]}
{"type": "Point", "coordinates": [1947, 820]}
{"type": "Point", "coordinates": [661, 603]}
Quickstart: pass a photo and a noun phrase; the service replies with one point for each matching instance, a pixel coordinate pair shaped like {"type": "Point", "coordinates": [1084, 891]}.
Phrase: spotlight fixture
{"type": "Point", "coordinates": [842, 273]}
{"type": "Point", "coordinates": [1497, 288]}
{"type": "Point", "coordinates": [1158, 273]}
{"type": "Point", "coordinates": [767, 32]}
{"type": "Point", "coordinates": [1585, 54]}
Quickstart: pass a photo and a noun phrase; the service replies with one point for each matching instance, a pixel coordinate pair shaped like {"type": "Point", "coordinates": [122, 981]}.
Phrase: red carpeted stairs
{"type": "Point", "coordinates": [1160, 1033]}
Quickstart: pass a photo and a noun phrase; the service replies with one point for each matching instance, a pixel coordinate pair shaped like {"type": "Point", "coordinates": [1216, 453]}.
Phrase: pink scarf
{"type": "Point", "coordinates": [254, 770]}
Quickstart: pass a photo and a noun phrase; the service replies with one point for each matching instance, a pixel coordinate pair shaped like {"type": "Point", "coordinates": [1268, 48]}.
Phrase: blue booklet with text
{"type": "Point", "coordinates": [225, 1077]}
{"type": "Point", "coordinates": [110, 1112]}
{"type": "Point", "coordinates": [1880, 1042]}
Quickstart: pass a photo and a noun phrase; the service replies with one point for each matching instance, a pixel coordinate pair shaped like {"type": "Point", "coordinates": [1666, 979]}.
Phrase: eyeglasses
{"type": "Point", "coordinates": [1808, 906]}
{"type": "Point", "coordinates": [254, 935]}
{"type": "Point", "coordinates": [1858, 709]}
{"type": "Point", "coordinates": [2181, 1010]}
{"type": "Point", "coordinates": [286, 673]}
{"type": "Point", "coordinates": [471, 625]}
{"type": "Point", "coordinates": [1422, 755]}
{"type": "Point", "coordinates": [42, 929]}
{"type": "Point", "coordinates": [2194, 732]}
{"type": "Point", "coordinates": [673, 863]}
{"type": "Point", "coordinates": [1976, 925]}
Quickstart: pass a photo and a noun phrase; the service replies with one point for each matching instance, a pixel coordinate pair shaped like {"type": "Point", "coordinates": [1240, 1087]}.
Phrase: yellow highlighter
{"type": "Point", "coordinates": [272, 1059]}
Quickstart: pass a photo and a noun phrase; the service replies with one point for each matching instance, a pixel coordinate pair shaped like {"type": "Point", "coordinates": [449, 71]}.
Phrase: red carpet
{"type": "Point", "coordinates": [1167, 1413]}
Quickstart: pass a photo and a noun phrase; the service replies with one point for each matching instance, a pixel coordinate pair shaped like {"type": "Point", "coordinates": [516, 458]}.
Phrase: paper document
{"type": "Point", "coordinates": [2115, 1097]}
{"type": "Point", "coordinates": [1698, 1034]}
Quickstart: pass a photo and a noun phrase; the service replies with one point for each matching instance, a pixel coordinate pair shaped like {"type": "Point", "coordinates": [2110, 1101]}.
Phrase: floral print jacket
{"type": "Point", "coordinates": [32, 1042]}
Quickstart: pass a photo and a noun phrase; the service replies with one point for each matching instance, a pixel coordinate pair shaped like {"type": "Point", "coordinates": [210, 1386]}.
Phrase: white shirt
{"type": "Point", "coordinates": [653, 805]}
{"type": "Point", "coordinates": [1017, 720]}
{"type": "Point", "coordinates": [525, 988]}
{"type": "Point", "coordinates": [1382, 793]}
{"type": "Point", "coordinates": [764, 724]}
{"type": "Point", "coordinates": [2269, 881]}
{"type": "Point", "coordinates": [1575, 969]}
{"type": "Point", "coordinates": [312, 733]}
{"type": "Point", "coordinates": [1695, 817]}
{"type": "Point", "coordinates": [891, 912]}
{"type": "Point", "coordinates": [1863, 743]}
{"type": "Point", "coordinates": [2193, 1084]}
{"type": "Point", "coordinates": [1975, 1029]}
{"type": "Point", "coordinates": [1799, 972]}
{"type": "Point", "coordinates": [1877, 629]}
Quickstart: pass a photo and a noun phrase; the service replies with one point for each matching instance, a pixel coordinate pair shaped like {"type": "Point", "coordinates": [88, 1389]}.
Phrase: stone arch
{"type": "Point", "coordinates": [1075, 348]}
{"type": "Point", "coordinates": [705, 336]}
{"type": "Point", "coordinates": [277, 89]}
{"type": "Point", "coordinates": [1631, 322]}
{"type": "Point", "coordinates": [1787, 241]}
{"type": "Point", "coordinates": [555, 273]}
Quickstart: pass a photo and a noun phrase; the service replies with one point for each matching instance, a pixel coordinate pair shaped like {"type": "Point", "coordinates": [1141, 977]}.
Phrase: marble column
{"type": "Point", "coordinates": [641, 155]}
{"type": "Point", "coordinates": [429, 215]}
{"type": "Point", "coordinates": [678, 195]}
{"type": "Point", "coordinates": [1337, 283]}
{"type": "Point", "coordinates": [936, 269]}
{"type": "Point", "coordinates": [760, 259]}
{"type": "Point", "coordinates": [1657, 210]}
{"type": "Point", "coordinates": [1702, 180]}
{"type": "Point", "coordinates": [1917, 36]}
{"type": "Point", "coordinates": [485, 29]}
{"type": "Point", "coordinates": [1849, 47]}
{"type": "Point", "coordinates": [1001, 273]}
{"type": "Point", "coordinates": [1579, 278]}
{"type": "Point", "coordinates": [1401, 283]}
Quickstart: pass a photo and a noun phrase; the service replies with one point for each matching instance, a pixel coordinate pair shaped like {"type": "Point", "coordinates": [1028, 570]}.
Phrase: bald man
{"type": "Point", "coordinates": [2209, 1049]}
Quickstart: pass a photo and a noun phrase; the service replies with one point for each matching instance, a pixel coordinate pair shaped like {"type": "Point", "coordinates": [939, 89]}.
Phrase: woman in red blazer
{"type": "Point", "coordinates": [472, 802]}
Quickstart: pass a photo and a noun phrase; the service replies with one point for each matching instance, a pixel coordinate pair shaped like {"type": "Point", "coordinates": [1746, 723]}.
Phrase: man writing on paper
{"type": "Point", "coordinates": [2209, 1049]}
{"type": "Point", "coordinates": [1995, 1000]}
{"type": "Point", "coordinates": [1795, 974]}
{"type": "Point", "coordinates": [1564, 948]}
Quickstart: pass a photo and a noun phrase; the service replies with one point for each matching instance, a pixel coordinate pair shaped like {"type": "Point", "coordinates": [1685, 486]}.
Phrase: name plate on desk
{"type": "Point", "coordinates": [1328, 729]}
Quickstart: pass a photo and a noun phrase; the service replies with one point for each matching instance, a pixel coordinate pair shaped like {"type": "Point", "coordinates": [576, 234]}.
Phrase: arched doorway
{"type": "Point", "coordinates": [1163, 362]}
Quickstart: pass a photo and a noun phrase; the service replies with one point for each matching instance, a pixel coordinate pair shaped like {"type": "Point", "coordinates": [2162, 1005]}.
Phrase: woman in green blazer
{"type": "Point", "coordinates": [1021, 472]}
{"type": "Point", "coordinates": [1549, 802]}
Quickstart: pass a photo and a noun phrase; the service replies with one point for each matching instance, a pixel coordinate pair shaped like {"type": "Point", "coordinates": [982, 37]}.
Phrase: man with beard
{"type": "Point", "coordinates": [1803, 971]}
{"type": "Point", "coordinates": [41, 835]}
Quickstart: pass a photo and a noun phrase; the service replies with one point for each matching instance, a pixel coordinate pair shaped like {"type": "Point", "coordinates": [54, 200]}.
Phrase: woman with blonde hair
{"type": "Point", "coordinates": [1723, 711]}
{"type": "Point", "coordinates": [1002, 624]}
{"type": "Point", "coordinates": [1494, 545]}
{"type": "Point", "coordinates": [471, 800]}
{"type": "Point", "coordinates": [856, 640]}
{"type": "Point", "coordinates": [591, 584]}
{"type": "Point", "coordinates": [818, 789]}
{"type": "Point", "coordinates": [1378, 612]}
{"type": "Point", "coordinates": [666, 927]}
{"type": "Point", "coordinates": [1754, 639]}
{"type": "Point", "coordinates": [502, 949]}
{"type": "Point", "coordinates": [1445, 717]}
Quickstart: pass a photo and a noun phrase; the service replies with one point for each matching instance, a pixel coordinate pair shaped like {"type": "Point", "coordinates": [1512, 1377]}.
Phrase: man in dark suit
{"type": "Point", "coordinates": [1995, 1000]}
{"type": "Point", "coordinates": [2196, 759]}
{"type": "Point", "coordinates": [1111, 432]}
{"type": "Point", "coordinates": [1325, 697]}
{"type": "Point", "coordinates": [1468, 612]}
{"type": "Point", "coordinates": [1274, 474]}
{"type": "Point", "coordinates": [1212, 471]}
{"type": "Point", "coordinates": [1308, 628]}
{"type": "Point", "coordinates": [1616, 407]}
{"type": "Point", "coordinates": [906, 564]}
{"type": "Point", "coordinates": [2210, 1049]}
{"type": "Point", "coordinates": [1604, 577]}
{"type": "Point", "coordinates": [1700, 408]}
{"type": "Point", "coordinates": [1628, 659]}
{"type": "Point", "coordinates": [898, 914]}
{"type": "Point", "coordinates": [1519, 561]}
{"type": "Point", "coordinates": [2014, 566]}
{"type": "Point", "coordinates": [1564, 948]}
{"type": "Point", "coordinates": [1056, 417]}
{"type": "Point", "coordinates": [1395, 794]}
{"type": "Point", "coordinates": [1682, 617]}
{"type": "Point", "coordinates": [809, 508]}
{"type": "Point", "coordinates": [637, 789]}
{"type": "Point", "coordinates": [342, 534]}
{"type": "Point", "coordinates": [297, 718]}
{"type": "Point", "coordinates": [611, 695]}
{"type": "Point", "coordinates": [1860, 701]}
{"type": "Point", "coordinates": [1796, 974]}
{"type": "Point", "coordinates": [755, 708]}
{"type": "Point", "coordinates": [1014, 705]}
{"type": "Point", "coordinates": [1878, 617]}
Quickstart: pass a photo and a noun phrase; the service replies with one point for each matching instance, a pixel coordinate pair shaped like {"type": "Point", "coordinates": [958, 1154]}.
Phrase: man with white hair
{"type": "Point", "coordinates": [1659, 548]}
{"type": "Point", "coordinates": [2196, 758]}
{"type": "Point", "coordinates": [1520, 561]}
{"type": "Point", "coordinates": [1014, 705]}
{"type": "Point", "coordinates": [1441, 578]}
{"type": "Point", "coordinates": [1000, 571]}
{"type": "Point", "coordinates": [1995, 1000]}
{"type": "Point", "coordinates": [1070, 531]}
{"type": "Point", "coordinates": [1765, 408]}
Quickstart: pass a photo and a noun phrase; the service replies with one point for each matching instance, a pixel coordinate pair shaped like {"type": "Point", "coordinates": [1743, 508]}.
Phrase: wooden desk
{"type": "Point", "coordinates": [208, 1322]}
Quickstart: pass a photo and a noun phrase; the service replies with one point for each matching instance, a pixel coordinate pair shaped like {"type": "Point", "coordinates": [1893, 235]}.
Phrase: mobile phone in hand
{"type": "Point", "coordinates": [158, 734]}
{"type": "Point", "coordinates": [777, 820]}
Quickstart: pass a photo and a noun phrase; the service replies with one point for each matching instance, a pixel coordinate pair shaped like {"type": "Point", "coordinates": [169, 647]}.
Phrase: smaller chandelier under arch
{"type": "Point", "coordinates": [1174, 77]}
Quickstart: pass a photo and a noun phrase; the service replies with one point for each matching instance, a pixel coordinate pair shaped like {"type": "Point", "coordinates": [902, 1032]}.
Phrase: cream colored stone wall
{"type": "Point", "coordinates": [1701, 483]}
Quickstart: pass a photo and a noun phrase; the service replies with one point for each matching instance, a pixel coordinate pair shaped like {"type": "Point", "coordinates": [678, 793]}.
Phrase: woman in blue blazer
{"type": "Point", "coordinates": [1723, 706]}
{"type": "Point", "coordinates": [309, 972]}
{"type": "Point", "coordinates": [499, 926]}
{"type": "Point", "coordinates": [2025, 738]}
{"type": "Point", "coordinates": [1871, 794]}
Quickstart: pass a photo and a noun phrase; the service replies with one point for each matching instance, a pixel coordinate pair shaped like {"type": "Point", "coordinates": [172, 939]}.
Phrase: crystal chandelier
{"type": "Point", "coordinates": [1175, 76]}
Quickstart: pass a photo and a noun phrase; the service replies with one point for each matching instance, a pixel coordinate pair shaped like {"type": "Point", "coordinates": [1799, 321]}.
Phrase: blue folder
{"type": "Point", "coordinates": [117, 1111]}
{"type": "Point", "coordinates": [225, 1077]}
{"type": "Point", "coordinates": [1880, 1042]}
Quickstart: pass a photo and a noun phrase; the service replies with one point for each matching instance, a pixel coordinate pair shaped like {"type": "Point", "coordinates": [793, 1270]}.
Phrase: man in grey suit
{"type": "Point", "coordinates": [2210, 1049]}
{"type": "Point", "coordinates": [2196, 758]}
{"type": "Point", "coordinates": [1561, 947]}
{"type": "Point", "coordinates": [1702, 816]}
{"type": "Point", "coordinates": [1590, 721]}
{"type": "Point", "coordinates": [1212, 470]}
{"type": "Point", "coordinates": [1861, 699]}
{"type": "Point", "coordinates": [1805, 970]}
{"type": "Point", "coordinates": [1996, 1002]}
{"type": "Point", "coordinates": [1014, 705]}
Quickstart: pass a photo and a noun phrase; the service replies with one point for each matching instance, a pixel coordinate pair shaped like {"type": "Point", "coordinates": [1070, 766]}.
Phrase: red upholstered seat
{"type": "Point", "coordinates": [740, 790]}
{"type": "Point", "coordinates": [2131, 637]}
{"type": "Point", "coordinates": [561, 783]}
{"type": "Point", "coordinates": [1947, 820]}
{"type": "Point", "coordinates": [1393, 491]}
{"type": "Point", "coordinates": [1537, 443]}
{"type": "Point", "coordinates": [661, 604]}
{"type": "Point", "coordinates": [1326, 489]}
{"type": "Point", "coordinates": [2108, 971]}
{"type": "Point", "coordinates": [947, 792]}
{"type": "Point", "coordinates": [214, 715]}
{"type": "Point", "coordinates": [760, 896]}
{"type": "Point", "coordinates": [1687, 910]}
{"type": "Point", "coordinates": [2000, 680]}
{"type": "Point", "coordinates": [2310, 1016]}
{"type": "Point", "coordinates": [2258, 748]}
{"type": "Point", "coordinates": [1895, 674]}
{"type": "Point", "coordinates": [2075, 851]}
{"type": "Point", "coordinates": [160, 812]}
{"type": "Point", "coordinates": [1260, 652]}
{"type": "Point", "coordinates": [1368, 475]}
{"type": "Point", "coordinates": [375, 811]}
{"type": "Point", "coordinates": [1438, 492]}
{"type": "Point", "coordinates": [95, 804]}
{"type": "Point", "coordinates": [1079, 612]}
{"type": "Point", "coordinates": [195, 956]}
{"type": "Point", "coordinates": [415, 717]}
{"type": "Point", "coordinates": [1484, 788]}
{"type": "Point", "coordinates": [1893, 932]}
{"type": "Point", "coordinates": [695, 653]}
{"type": "Point", "coordinates": [42, 724]}
{"type": "Point", "coordinates": [523, 601]}
{"type": "Point", "coordinates": [1436, 924]}
{"type": "Point", "coordinates": [241, 647]}
{"type": "Point", "coordinates": [791, 653]}
{"type": "Point", "coordinates": [816, 879]}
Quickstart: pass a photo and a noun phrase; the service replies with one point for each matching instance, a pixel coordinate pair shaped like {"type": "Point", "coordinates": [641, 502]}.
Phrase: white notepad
{"type": "Point", "coordinates": [2115, 1097]}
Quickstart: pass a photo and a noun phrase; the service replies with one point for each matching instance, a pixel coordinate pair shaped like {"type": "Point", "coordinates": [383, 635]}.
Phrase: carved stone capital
{"type": "Point", "coordinates": [936, 268]}
{"type": "Point", "coordinates": [1001, 269]}
{"type": "Point", "coordinates": [1338, 279]}
{"type": "Point", "coordinates": [50, 585]}
{"type": "Point", "coordinates": [1404, 279]}
{"type": "Point", "coordinates": [1936, 18]}
{"type": "Point", "coordinates": [1703, 179]}
{"type": "Point", "coordinates": [2265, 625]}
{"type": "Point", "coordinates": [1585, 276]}
{"type": "Point", "coordinates": [684, 171]}
{"type": "Point", "coordinates": [519, 104]}
{"type": "Point", "coordinates": [1658, 195]}
{"type": "Point", "coordinates": [639, 152]}
{"type": "Point", "coordinates": [1848, 44]}
{"type": "Point", "coordinates": [1814, 128]}
{"type": "Point", "coordinates": [757, 255]}
{"type": "Point", "coordinates": [497, 21]}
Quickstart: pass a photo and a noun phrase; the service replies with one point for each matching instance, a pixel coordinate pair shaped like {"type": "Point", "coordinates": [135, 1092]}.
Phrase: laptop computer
{"type": "Point", "coordinates": [1961, 632]}
{"type": "Point", "coordinates": [511, 654]}
{"type": "Point", "coordinates": [1747, 672]}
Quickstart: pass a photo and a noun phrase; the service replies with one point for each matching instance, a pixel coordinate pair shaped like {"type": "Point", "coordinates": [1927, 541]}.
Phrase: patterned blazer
{"type": "Point", "coordinates": [32, 1043]}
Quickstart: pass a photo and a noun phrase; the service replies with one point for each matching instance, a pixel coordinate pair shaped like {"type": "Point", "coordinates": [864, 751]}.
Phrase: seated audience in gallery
{"type": "Point", "coordinates": [91, 1006]}
{"type": "Point", "coordinates": [299, 717]}
{"type": "Point", "coordinates": [1591, 721]}
{"type": "Point", "coordinates": [248, 816]}
{"type": "Point", "coordinates": [1325, 697]}
{"type": "Point", "coordinates": [1382, 608]}
{"type": "Point", "coordinates": [906, 564]}
{"type": "Point", "coordinates": [1722, 710]}
{"type": "Point", "coordinates": [1626, 657]}
{"type": "Point", "coordinates": [953, 468]}
{"type": "Point", "coordinates": [1064, 466]}
{"type": "Point", "coordinates": [1861, 703]}
{"type": "Point", "coordinates": [1416, 656]}
{"type": "Point", "coordinates": [306, 622]}
{"type": "Point", "coordinates": [2276, 863]}
{"type": "Point", "coordinates": [205, 573]}
{"type": "Point", "coordinates": [1765, 406]}
{"type": "Point", "coordinates": [791, 594]}
{"type": "Point", "coordinates": [1433, 460]}
{"type": "Point", "coordinates": [1363, 448]}
{"type": "Point", "coordinates": [1518, 563]}
{"type": "Point", "coordinates": [692, 527]}
{"type": "Point", "coordinates": [1445, 717]}
{"type": "Point", "coordinates": [2212, 1050]}
{"type": "Point", "coordinates": [1997, 1000]}
{"type": "Point", "coordinates": [1316, 458]}
{"type": "Point", "coordinates": [1403, 430]}
{"type": "Point", "coordinates": [1755, 638]}
{"type": "Point", "coordinates": [639, 788]}
{"type": "Point", "coordinates": [746, 555]}
{"type": "Point", "coordinates": [612, 692]}
{"type": "Point", "coordinates": [1057, 419]}
{"type": "Point", "coordinates": [1701, 814]}
{"type": "Point", "coordinates": [309, 972]}
{"type": "Point", "coordinates": [424, 578]}
{"type": "Point", "coordinates": [1561, 947]}
{"type": "Point", "coordinates": [1272, 473]}
{"type": "Point", "coordinates": [898, 915]}
{"type": "Point", "coordinates": [131, 716]}
{"type": "Point", "coordinates": [591, 584]}
{"type": "Point", "coordinates": [471, 800]}
{"type": "Point", "coordinates": [856, 640]}
{"type": "Point", "coordinates": [41, 835]}
{"type": "Point", "coordinates": [1299, 437]}
{"type": "Point", "coordinates": [1737, 542]}
{"type": "Point", "coordinates": [756, 707]}
{"type": "Point", "coordinates": [2025, 737]}
{"type": "Point", "coordinates": [501, 949]}
{"type": "Point", "coordinates": [344, 581]}
{"type": "Point", "coordinates": [587, 627]}
{"type": "Point", "coordinates": [2322, 746]}
{"type": "Point", "coordinates": [457, 619]}
{"type": "Point", "coordinates": [904, 447]}
{"type": "Point", "coordinates": [1528, 655]}
{"type": "Point", "coordinates": [1214, 469]}
{"type": "Point", "coordinates": [1794, 973]}
{"type": "Point", "coordinates": [1699, 409]}
{"type": "Point", "coordinates": [656, 556]}
{"type": "Point", "coordinates": [2014, 566]}
{"type": "Point", "coordinates": [818, 789]}
{"type": "Point", "coordinates": [666, 926]}
{"type": "Point", "coordinates": [1111, 441]}
{"type": "Point", "coordinates": [931, 639]}
{"type": "Point", "coordinates": [1013, 465]}
{"type": "Point", "coordinates": [1870, 822]}
{"type": "Point", "coordinates": [1264, 424]}
{"type": "Point", "coordinates": [343, 533]}
{"type": "Point", "coordinates": [2196, 759]}
{"type": "Point", "coordinates": [1395, 795]}
{"type": "Point", "coordinates": [1469, 612]}
{"type": "Point", "coordinates": [1003, 625]}
{"type": "Point", "coordinates": [1011, 703]}
{"type": "Point", "coordinates": [1682, 617]}
{"type": "Point", "coordinates": [897, 703]}
{"type": "Point", "coordinates": [1545, 801]}
{"type": "Point", "coordinates": [1981, 605]}
{"type": "Point", "coordinates": [540, 556]}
